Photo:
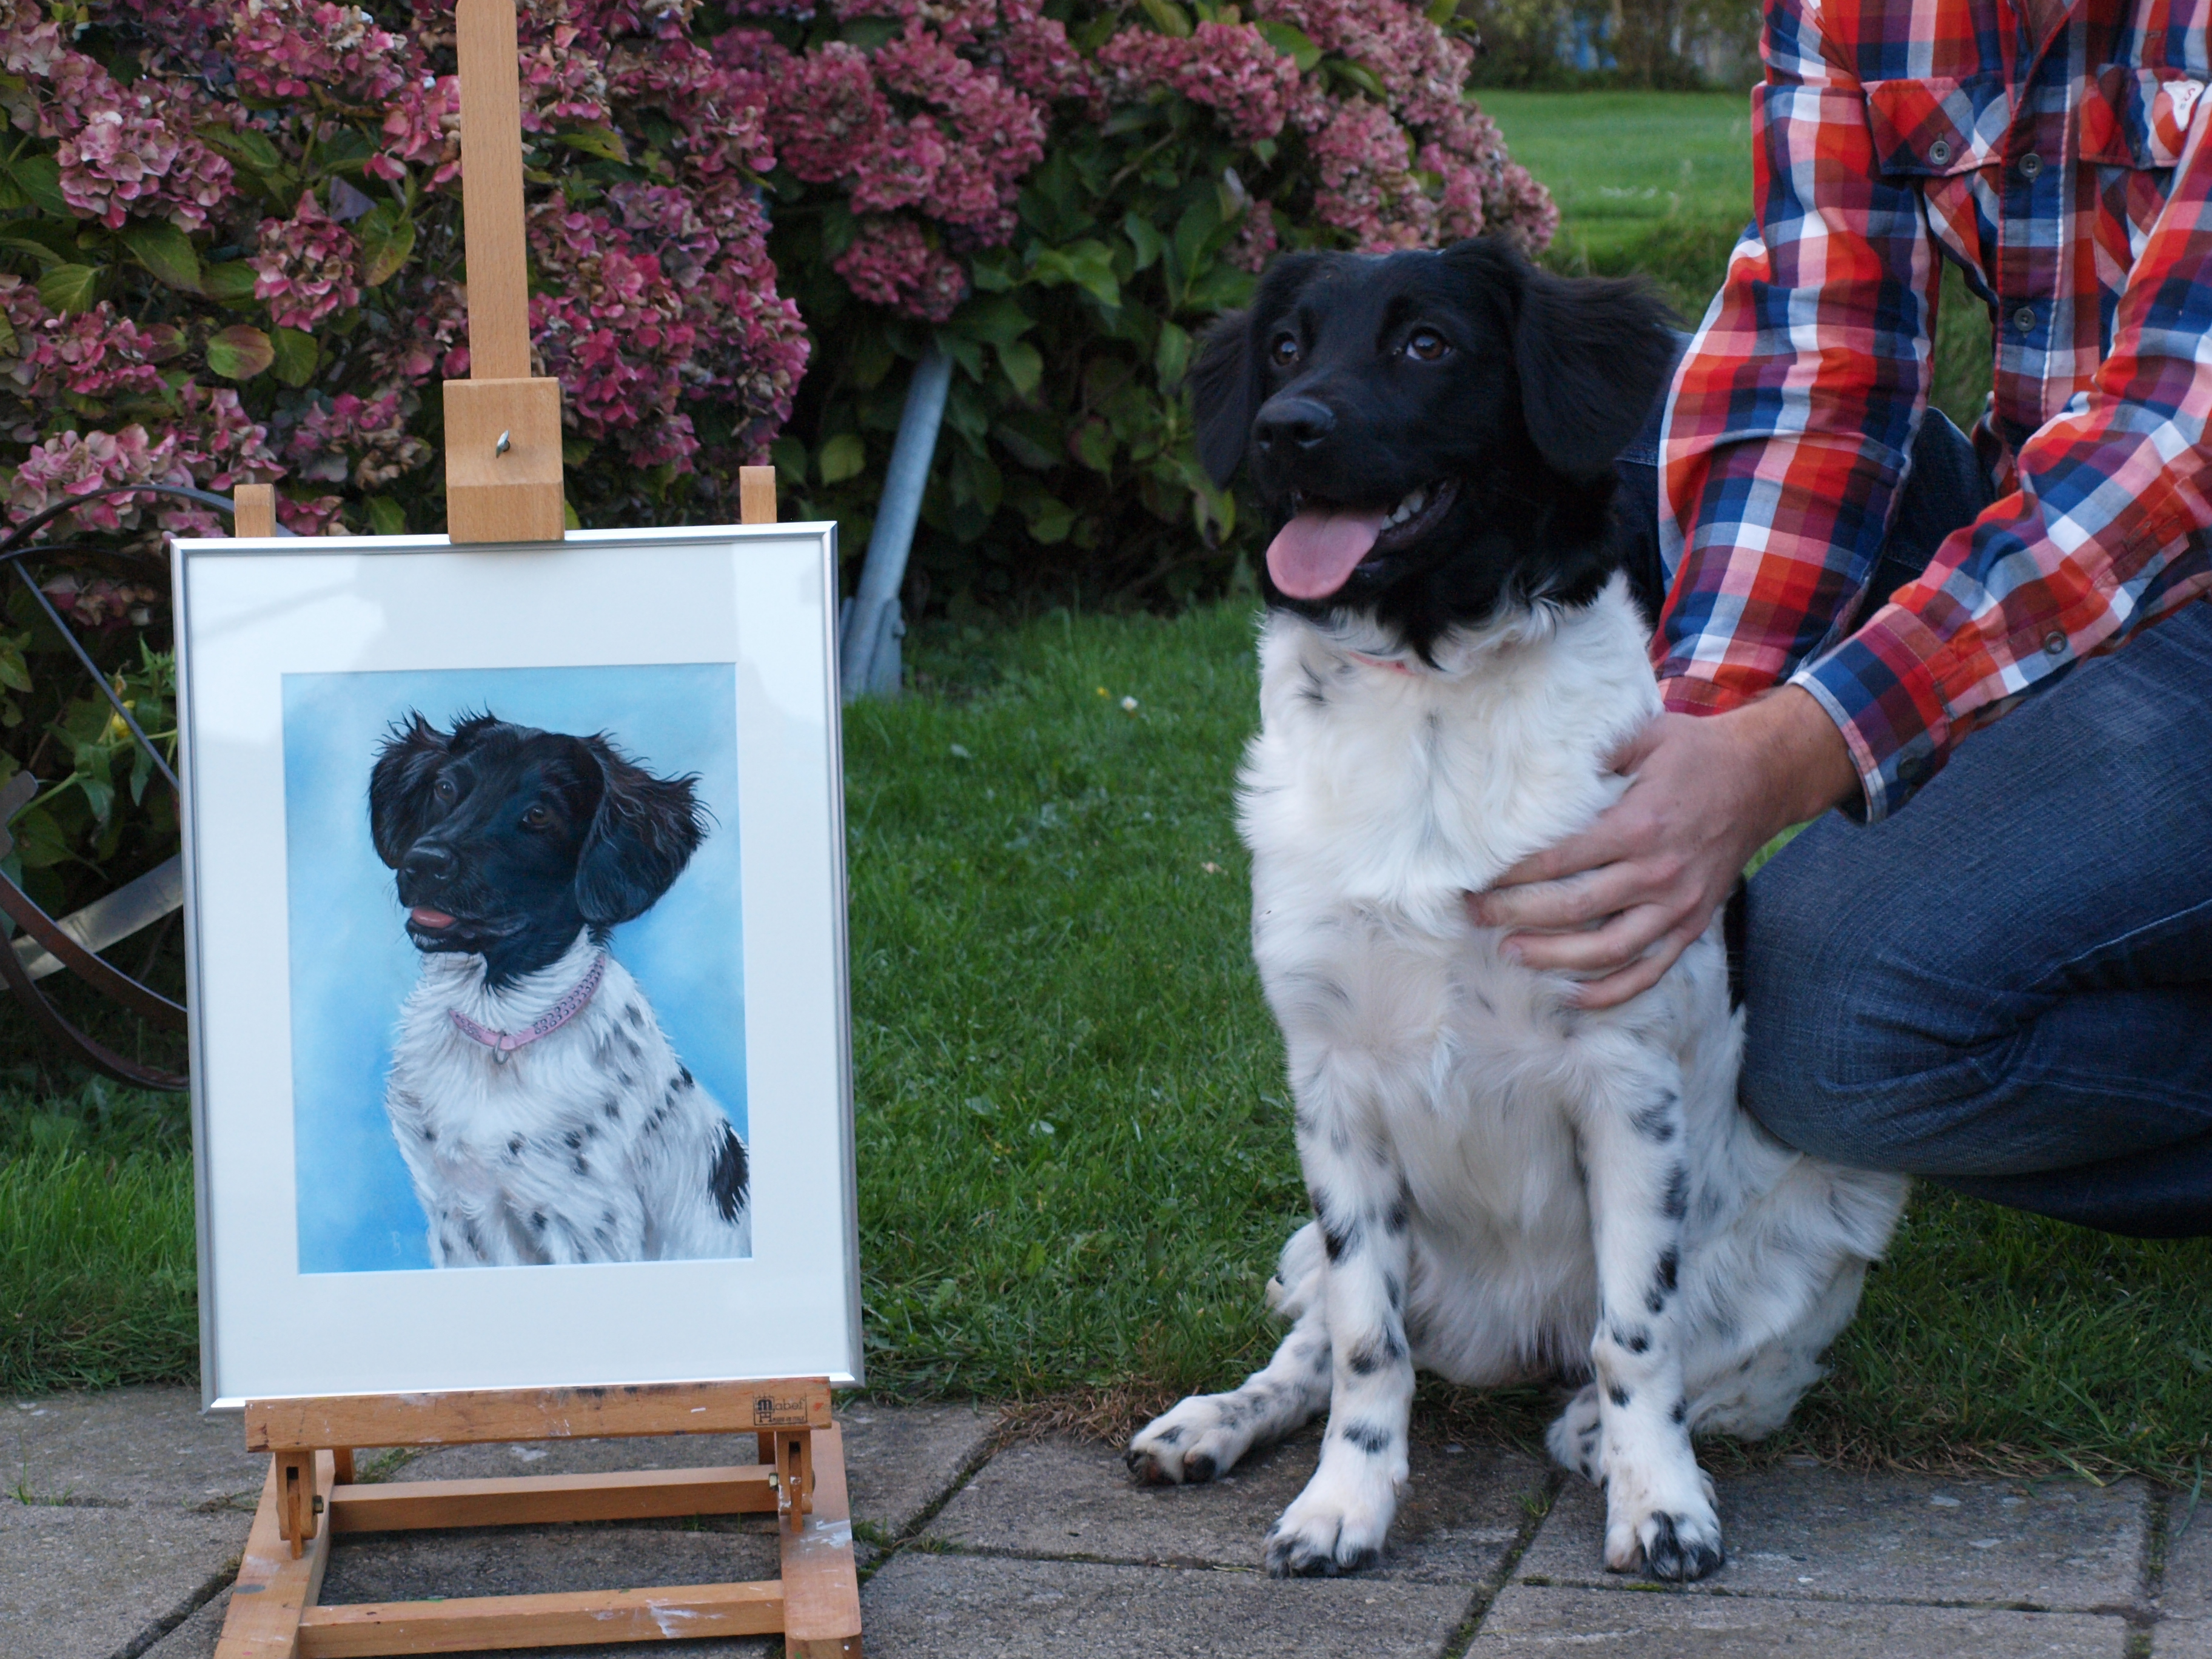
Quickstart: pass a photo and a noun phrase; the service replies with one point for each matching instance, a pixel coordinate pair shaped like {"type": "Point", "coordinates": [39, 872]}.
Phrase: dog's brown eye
{"type": "Point", "coordinates": [1284, 350]}
{"type": "Point", "coordinates": [1427, 344]}
{"type": "Point", "coordinates": [537, 818]}
{"type": "Point", "coordinates": [445, 790]}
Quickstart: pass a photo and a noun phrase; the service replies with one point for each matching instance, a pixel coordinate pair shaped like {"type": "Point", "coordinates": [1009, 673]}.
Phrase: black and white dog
{"type": "Point", "coordinates": [542, 1113]}
{"type": "Point", "coordinates": [1503, 1186]}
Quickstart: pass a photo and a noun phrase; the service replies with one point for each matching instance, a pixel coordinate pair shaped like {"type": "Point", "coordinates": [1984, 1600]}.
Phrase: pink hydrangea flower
{"type": "Point", "coordinates": [287, 49]}
{"type": "Point", "coordinates": [891, 264]}
{"type": "Point", "coordinates": [1227, 67]}
{"type": "Point", "coordinates": [423, 128]}
{"type": "Point", "coordinates": [307, 266]}
{"type": "Point", "coordinates": [122, 151]}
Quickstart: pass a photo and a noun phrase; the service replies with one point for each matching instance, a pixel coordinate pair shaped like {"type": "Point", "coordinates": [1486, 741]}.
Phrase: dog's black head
{"type": "Point", "coordinates": [1434, 433]}
{"type": "Point", "coordinates": [508, 840]}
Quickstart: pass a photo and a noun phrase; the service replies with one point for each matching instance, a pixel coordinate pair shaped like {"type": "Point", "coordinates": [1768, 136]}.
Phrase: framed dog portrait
{"type": "Point", "coordinates": [515, 883]}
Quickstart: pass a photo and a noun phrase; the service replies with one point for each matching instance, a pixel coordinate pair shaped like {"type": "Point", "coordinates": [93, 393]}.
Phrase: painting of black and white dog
{"type": "Point", "coordinates": [1503, 1186]}
{"type": "Point", "coordinates": [540, 1110]}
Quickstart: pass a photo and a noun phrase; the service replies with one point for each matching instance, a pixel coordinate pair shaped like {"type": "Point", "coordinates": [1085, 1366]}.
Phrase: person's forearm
{"type": "Point", "coordinates": [1800, 761]}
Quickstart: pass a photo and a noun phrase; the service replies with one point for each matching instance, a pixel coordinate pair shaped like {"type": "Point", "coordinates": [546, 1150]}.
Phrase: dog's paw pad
{"type": "Point", "coordinates": [1299, 1555]}
{"type": "Point", "coordinates": [1680, 1549]}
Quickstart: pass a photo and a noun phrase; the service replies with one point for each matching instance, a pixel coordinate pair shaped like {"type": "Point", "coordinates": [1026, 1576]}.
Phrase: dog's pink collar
{"type": "Point", "coordinates": [503, 1043]}
{"type": "Point", "coordinates": [1391, 663]}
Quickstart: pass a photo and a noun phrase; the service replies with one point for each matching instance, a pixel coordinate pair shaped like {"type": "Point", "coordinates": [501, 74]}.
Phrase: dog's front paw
{"type": "Point", "coordinates": [1678, 1542]}
{"type": "Point", "coordinates": [1191, 1443]}
{"type": "Point", "coordinates": [1577, 1436]}
{"type": "Point", "coordinates": [1332, 1527]}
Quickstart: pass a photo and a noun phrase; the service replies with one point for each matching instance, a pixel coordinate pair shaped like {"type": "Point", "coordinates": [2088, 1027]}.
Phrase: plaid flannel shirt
{"type": "Point", "coordinates": [2067, 171]}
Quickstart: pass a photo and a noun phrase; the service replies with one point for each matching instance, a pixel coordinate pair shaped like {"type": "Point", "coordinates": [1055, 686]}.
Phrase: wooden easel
{"type": "Point", "coordinates": [310, 1494]}
{"type": "Point", "coordinates": [503, 483]}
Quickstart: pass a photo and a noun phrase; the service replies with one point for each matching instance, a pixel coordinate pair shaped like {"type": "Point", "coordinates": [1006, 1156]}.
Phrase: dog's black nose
{"type": "Point", "coordinates": [428, 861]}
{"type": "Point", "coordinates": [1300, 422]}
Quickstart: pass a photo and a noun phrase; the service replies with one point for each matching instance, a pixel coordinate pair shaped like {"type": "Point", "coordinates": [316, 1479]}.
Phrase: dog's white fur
{"type": "Point", "coordinates": [592, 1144]}
{"type": "Point", "coordinates": [1500, 1180]}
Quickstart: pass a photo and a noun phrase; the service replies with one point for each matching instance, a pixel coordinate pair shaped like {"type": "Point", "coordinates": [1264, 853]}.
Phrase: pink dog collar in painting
{"type": "Point", "coordinates": [503, 1043]}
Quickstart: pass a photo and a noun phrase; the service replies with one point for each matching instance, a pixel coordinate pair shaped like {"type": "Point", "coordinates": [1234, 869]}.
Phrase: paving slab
{"type": "Point", "coordinates": [2185, 1598]}
{"type": "Point", "coordinates": [1458, 1519]}
{"type": "Point", "coordinates": [899, 1460]}
{"type": "Point", "coordinates": [79, 1583]}
{"type": "Point", "coordinates": [151, 1445]}
{"type": "Point", "coordinates": [1667, 1624]}
{"type": "Point", "coordinates": [1813, 1532]}
{"type": "Point", "coordinates": [927, 1606]}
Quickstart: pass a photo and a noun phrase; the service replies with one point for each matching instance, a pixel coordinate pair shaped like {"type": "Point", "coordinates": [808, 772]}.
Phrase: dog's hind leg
{"type": "Point", "coordinates": [1659, 1505]}
{"type": "Point", "coordinates": [1205, 1434]}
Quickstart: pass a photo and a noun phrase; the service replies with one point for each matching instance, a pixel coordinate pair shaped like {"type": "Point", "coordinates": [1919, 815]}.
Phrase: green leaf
{"type": "Point", "coordinates": [1295, 44]}
{"type": "Point", "coordinates": [296, 355]}
{"type": "Point", "coordinates": [996, 321]}
{"type": "Point", "coordinates": [248, 148]}
{"type": "Point", "coordinates": [386, 517]}
{"type": "Point", "coordinates": [1144, 238]}
{"type": "Point", "coordinates": [230, 283]}
{"type": "Point", "coordinates": [1442, 11]}
{"type": "Point", "coordinates": [167, 252]}
{"type": "Point", "coordinates": [789, 454]}
{"type": "Point", "coordinates": [47, 256]}
{"type": "Point", "coordinates": [387, 237]}
{"type": "Point", "coordinates": [603, 142]}
{"type": "Point", "coordinates": [1171, 357]}
{"type": "Point", "coordinates": [1168, 17]}
{"type": "Point", "coordinates": [1094, 445]}
{"type": "Point", "coordinates": [1050, 518]}
{"type": "Point", "coordinates": [69, 288]}
{"type": "Point", "coordinates": [239, 352]}
{"type": "Point", "coordinates": [39, 178]}
{"type": "Point", "coordinates": [1361, 76]}
{"type": "Point", "coordinates": [1024, 364]}
{"type": "Point", "coordinates": [842, 457]}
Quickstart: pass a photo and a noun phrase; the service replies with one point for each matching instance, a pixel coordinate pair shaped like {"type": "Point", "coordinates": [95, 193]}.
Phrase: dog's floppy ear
{"type": "Point", "coordinates": [1226, 388]}
{"type": "Point", "coordinates": [399, 784]}
{"type": "Point", "coordinates": [1593, 353]}
{"type": "Point", "coordinates": [642, 835]}
{"type": "Point", "coordinates": [1225, 391]}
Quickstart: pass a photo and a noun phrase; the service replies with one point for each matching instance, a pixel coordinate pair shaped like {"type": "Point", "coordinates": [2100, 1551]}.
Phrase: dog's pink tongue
{"type": "Point", "coordinates": [1314, 554]}
{"type": "Point", "coordinates": [429, 918]}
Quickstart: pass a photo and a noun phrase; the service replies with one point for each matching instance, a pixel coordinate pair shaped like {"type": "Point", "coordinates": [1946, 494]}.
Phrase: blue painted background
{"type": "Point", "coordinates": [352, 966]}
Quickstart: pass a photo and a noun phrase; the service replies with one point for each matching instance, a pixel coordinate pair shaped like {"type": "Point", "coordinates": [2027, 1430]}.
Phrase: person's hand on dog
{"type": "Point", "coordinates": [1622, 900]}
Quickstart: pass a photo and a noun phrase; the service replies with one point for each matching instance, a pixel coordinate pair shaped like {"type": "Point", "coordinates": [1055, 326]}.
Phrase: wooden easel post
{"type": "Point", "coordinates": [502, 427]}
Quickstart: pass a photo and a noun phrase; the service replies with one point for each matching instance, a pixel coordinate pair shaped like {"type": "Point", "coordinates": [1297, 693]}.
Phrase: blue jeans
{"type": "Point", "coordinates": [2006, 986]}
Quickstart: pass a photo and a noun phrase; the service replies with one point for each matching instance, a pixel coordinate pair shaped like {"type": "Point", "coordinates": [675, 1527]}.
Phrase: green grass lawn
{"type": "Point", "coordinates": [1075, 1151]}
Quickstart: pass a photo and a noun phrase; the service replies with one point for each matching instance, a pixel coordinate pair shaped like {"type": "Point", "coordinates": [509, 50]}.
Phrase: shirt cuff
{"type": "Point", "coordinates": [1879, 687]}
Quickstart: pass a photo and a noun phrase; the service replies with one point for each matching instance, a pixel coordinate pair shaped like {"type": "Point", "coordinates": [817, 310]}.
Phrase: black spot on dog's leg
{"type": "Point", "coordinates": [1655, 1122]}
{"type": "Point", "coordinates": [1635, 1341]}
{"type": "Point", "coordinates": [1680, 1413]}
{"type": "Point", "coordinates": [728, 1180]}
{"type": "Point", "coordinates": [1675, 1204]}
{"type": "Point", "coordinates": [1371, 1356]}
{"type": "Point", "coordinates": [1618, 1395]}
{"type": "Point", "coordinates": [1371, 1438]}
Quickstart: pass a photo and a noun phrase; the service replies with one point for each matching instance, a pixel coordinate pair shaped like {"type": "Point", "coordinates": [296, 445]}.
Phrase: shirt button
{"type": "Point", "coordinates": [2024, 319]}
{"type": "Point", "coordinates": [2055, 643]}
{"type": "Point", "coordinates": [2030, 164]}
{"type": "Point", "coordinates": [1940, 152]}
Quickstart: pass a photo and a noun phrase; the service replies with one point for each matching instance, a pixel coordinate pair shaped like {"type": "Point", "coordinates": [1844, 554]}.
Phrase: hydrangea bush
{"type": "Point", "coordinates": [230, 251]}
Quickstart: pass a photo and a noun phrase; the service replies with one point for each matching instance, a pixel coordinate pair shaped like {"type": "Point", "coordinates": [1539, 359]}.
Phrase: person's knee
{"type": "Point", "coordinates": [1842, 1042]}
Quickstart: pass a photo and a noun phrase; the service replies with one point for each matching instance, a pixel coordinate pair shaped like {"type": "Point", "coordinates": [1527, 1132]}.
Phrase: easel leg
{"type": "Point", "coordinates": [821, 1583]}
{"type": "Point", "coordinates": [273, 1586]}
